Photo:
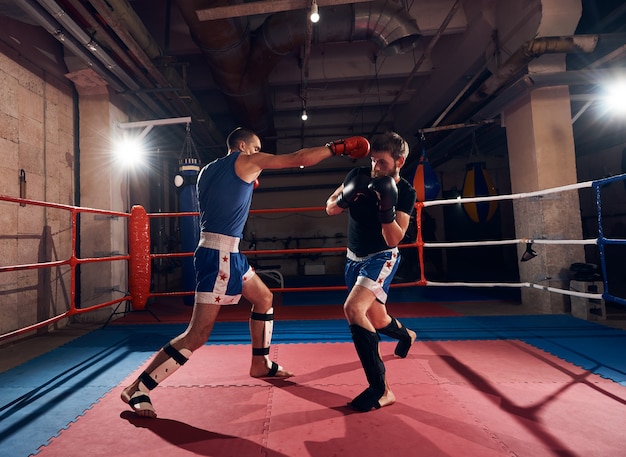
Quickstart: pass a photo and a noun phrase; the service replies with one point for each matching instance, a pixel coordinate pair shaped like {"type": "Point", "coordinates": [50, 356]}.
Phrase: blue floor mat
{"type": "Point", "coordinates": [44, 395]}
{"type": "Point", "coordinates": [408, 295]}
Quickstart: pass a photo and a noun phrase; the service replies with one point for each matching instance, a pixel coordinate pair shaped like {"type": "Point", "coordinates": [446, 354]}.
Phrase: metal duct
{"type": "Point", "coordinates": [387, 24]}
{"type": "Point", "coordinates": [241, 64]}
{"type": "Point", "coordinates": [225, 44]}
{"type": "Point", "coordinates": [520, 59]}
{"type": "Point", "coordinates": [390, 27]}
{"type": "Point", "coordinates": [122, 19]}
{"type": "Point", "coordinates": [472, 108]}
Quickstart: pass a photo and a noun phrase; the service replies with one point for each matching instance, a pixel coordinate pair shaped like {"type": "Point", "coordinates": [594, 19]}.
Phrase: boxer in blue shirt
{"type": "Point", "coordinates": [223, 274]}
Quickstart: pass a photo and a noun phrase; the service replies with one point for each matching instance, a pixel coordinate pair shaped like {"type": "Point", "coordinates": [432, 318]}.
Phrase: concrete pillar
{"type": "Point", "coordinates": [541, 152]}
{"type": "Point", "coordinates": [103, 185]}
{"type": "Point", "coordinates": [541, 155]}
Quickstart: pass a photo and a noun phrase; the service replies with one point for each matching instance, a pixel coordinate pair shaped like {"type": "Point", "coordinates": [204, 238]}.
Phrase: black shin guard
{"type": "Point", "coordinates": [366, 344]}
{"type": "Point", "coordinates": [393, 330]}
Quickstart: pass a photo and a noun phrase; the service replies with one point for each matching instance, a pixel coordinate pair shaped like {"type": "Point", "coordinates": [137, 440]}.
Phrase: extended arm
{"type": "Point", "coordinates": [250, 166]}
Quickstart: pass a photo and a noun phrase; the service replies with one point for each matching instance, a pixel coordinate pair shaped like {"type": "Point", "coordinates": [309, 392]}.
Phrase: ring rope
{"type": "Point", "coordinates": [141, 258]}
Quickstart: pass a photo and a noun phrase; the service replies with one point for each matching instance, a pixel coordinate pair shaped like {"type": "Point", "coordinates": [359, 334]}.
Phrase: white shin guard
{"type": "Point", "coordinates": [177, 358]}
{"type": "Point", "coordinates": [261, 328]}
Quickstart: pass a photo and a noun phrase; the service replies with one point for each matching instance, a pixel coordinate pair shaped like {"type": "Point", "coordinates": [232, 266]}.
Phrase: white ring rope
{"type": "Point", "coordinates": [455, 244]}
{"type": "Point", "coordinates": [539, 193]}
{"type": "Point", "coordinates": [518, 285]}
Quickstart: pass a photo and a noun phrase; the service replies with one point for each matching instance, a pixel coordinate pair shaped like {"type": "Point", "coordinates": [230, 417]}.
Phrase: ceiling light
{"type": "Point", "coordinates": [315, 14]}
{"type": "Point", "coordinates": [304, 116]}
{"type": "Point", "coordinates": [616, 97]}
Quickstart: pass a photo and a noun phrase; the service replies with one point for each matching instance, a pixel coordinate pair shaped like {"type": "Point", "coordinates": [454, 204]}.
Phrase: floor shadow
{"type": "Point", "coordinates": [198, 440]}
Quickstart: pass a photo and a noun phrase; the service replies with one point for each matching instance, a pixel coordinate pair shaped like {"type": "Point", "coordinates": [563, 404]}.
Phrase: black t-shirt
{"type": "Point", "coordinates": [364, 231]}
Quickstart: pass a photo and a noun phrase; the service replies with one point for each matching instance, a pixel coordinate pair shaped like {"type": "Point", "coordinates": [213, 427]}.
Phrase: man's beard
{"type": "Point", "coordinates": [377, 174]}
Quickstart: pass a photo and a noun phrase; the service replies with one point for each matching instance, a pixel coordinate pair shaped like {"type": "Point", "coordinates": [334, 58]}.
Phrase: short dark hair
{"type": "Point", "coordinates": [237, 135]}
{"type": "Point", "coordinates": [392, 142]}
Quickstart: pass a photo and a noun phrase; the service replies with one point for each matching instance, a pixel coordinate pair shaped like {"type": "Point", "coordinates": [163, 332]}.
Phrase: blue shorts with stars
{"type": "Point", "coordinates": [220, 270]}
{"type": "Point", "coordinates": [374, 272]}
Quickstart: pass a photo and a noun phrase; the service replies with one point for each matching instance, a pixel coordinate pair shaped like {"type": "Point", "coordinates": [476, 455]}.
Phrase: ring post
{"type": "Point", "coordinates": [139, 263]}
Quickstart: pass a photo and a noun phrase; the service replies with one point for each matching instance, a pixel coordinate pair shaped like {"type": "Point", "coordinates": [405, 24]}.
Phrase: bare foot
{"type": "Point", "coordinates": [387, 399]}
{"type": "Point", "coordinates": [367, 401]}
{"type": "Point", "coordinates": [139, 401]}
{"type": "Point", "coordinates": [268, 369]}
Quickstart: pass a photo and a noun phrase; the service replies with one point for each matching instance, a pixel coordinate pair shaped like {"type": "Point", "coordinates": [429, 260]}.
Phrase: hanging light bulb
{"type": "Point", "coordinates": [315, 14]}
{"type": "Point", "coordinates": [304, 116]}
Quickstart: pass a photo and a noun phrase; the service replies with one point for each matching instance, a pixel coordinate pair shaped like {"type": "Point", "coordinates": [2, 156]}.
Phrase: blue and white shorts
{"type": "Point", "coordinates": [373, 272]}
{"type": "Point", "coordinates": [220, 269]}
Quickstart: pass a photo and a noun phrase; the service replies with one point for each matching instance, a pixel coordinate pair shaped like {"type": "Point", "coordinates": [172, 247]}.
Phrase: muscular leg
{"type": "Point", "coordinates": [261, 327]}
{"type": "Point", "coordinates": [359, 302]}
{"type": "Point", "coordinates": [357, 307]}
{"type": "Point", "coordinates": [169, 358]}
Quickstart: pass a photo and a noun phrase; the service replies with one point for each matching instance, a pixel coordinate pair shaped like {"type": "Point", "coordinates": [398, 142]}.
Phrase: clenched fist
{"type": "Point", "coordinates": [355, 147]}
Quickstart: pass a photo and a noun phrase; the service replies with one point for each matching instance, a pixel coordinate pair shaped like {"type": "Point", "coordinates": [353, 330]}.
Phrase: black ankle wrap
{"type": "Point", "coordinates": [393, 330]}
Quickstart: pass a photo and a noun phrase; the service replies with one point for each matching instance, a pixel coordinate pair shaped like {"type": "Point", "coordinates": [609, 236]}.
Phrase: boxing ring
{"type": "Point", "coordinates": [140, 259]}
{"type": "Point", "coordinates": [488, 385]}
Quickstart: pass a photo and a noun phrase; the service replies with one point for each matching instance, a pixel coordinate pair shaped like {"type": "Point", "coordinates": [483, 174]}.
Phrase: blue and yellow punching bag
{"type": "Point", "coordinates": [185, 181]}
{"type": "Point", "coordinates": [477, 183]}
{"type": "Point", "coordinates": [425, 180]}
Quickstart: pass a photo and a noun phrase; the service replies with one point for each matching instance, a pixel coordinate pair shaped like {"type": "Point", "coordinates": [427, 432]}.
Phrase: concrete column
{"type": "Point", "coordinates": [541, 156]}
{"type": "Point", "coordinates": [541, 151]}
{"type": "Point", "coordinates": [103, 185]}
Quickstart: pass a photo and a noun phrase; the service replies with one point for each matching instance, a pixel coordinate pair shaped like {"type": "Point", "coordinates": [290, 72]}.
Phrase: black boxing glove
{"type": "Point", "coordinates": [386, 192]}
{"type": "Point", "coordinates": [354, 189]}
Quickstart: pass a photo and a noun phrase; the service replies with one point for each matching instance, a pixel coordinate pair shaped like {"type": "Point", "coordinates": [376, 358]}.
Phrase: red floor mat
{"type": "Point", "coordinates": [470, 398]}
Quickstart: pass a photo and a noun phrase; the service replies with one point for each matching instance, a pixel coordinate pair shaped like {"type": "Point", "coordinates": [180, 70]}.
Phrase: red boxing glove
{"type": "Point", "coordinates": [355, 147]}
{"type": "Point", "coordinates": [256, 183]}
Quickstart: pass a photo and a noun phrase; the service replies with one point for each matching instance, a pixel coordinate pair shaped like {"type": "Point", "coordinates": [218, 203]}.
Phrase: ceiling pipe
{"type": "Point", "coordinates": [241, 64]}
{"type": "Point", "coordinates": [474, 109]}
{"type": "Point", "coordinates": [388, 25]}
{"type": "Point", "coordinates": [69, 25]}
{"type": "Point", "coordinates": [43, 18]}
{"type": "Point", "coordinates": [125, 15]}
{"type": "Point", "coordinates": [55, 21]}
{"type": "Point", "coordinates": [225, 44]}
{"type": "Point", "coordinates": [123, 20]}
{"type": "Point", "coordinates": [120, 75]}
{"type": "Point", "coordinates": [105, 39]}
{"type": "Point", "coordinates": [425, 55]}
{"type": "Point", "coordinates": [520, 59]}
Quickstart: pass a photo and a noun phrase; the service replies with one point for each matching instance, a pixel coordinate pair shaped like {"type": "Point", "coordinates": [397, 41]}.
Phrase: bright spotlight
{"type": "Point", "coordinates": [616, 97]}
{"type": "Point", "coordinates": [130, 152]}
{"type": "Point", "coordinates": [315, 14]}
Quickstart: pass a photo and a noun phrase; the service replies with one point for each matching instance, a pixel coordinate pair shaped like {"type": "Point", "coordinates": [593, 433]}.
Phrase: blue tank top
{"type": "Point", "coordinates": [224, 197]}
